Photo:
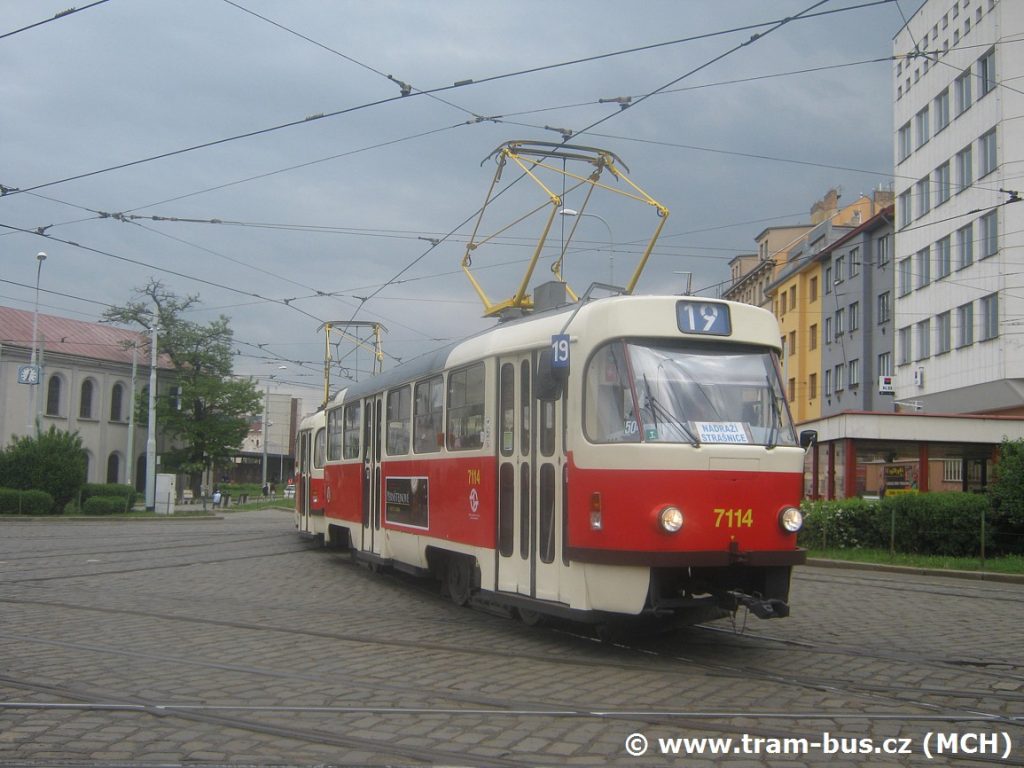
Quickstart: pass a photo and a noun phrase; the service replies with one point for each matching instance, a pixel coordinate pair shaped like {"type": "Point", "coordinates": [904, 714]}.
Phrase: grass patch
{"type": "Point", "coordinates": [1009, 564]}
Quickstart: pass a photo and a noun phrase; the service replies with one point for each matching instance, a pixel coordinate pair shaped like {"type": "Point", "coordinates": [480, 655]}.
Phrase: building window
{"type": "Point", "coordinates": [923, 190]}
{"type": "Point", "coordinates": [812, 385]}
{"type": "Point", "coordinates": [941, 105]}
{"type": "Point", "coordinates": [884, 250]}
{"type": "Point", "coordinates": [988, 234]}
{"type": "Point", "coordinates": [854, 316]}
{"type": "Point", "coordinates": [904, 276]}
{"type": "Point", "coordinates": [965, 324]}
{"type": "Point", "coordinates": [987, 153]}
{"type": "Point", "coordinates": [812, 337]}
{"type": "Point", "coordinates": [989, 317]}
{"type": "Point", "coordinates": [840, 324]}
{"type": "Point", "coordinates": [792, 390]}
{"type": "Point", "coordinates": [853, 373]}
{"type": "Point", "coordinates": [922, 128]}
{"type": "Point", "coordinates": [943, 336]}
{"type": "Point", "coordinates": [53, 388]}
{"type": "Point", "coordinates": [839, 269]}
{"type": "Point", "coordinates": [828, 382]}
{"type": "Point", "coordinates": [964, 169]}
{"type": "Point", "coordinates": [884, 307]}
{"type": "Point", "coordinates": [943, 261]}
{"type": "Point", "coordinates": [943, 189]}
{"type": "Point", "coordinates": [117, 402]}
{"type": "Point", "coordinates": [854, 262]}
{"type": "Point", "coordinates": [904, 147]}
{"type": "Point", "coordinates": [85, 400]}
{"type": "Point", "coordinates": [965, 246]}
{"type": "Point", "coordinates": [903, 347]}
{"type": "Point", "coordinates": [813, 290]}
{"type": "Point", "coordinates": [828, 330]}
{"type": "Point", "coordinates": [924, 339]}
{"type": "Point", "coordinates": [885, 364]}
{"type": "Point", "coordinates": [113, 468]}
{"type": "Point", "coordinates": [924, 266]}
{"type": "Point", "coordinates": [828, 279]}
{"type": "Point", "coordinates": [905, 215]}
{"type": "Point", "coordinates": [840, 377]}
{"type": "Point", "coordinates": [962, 92]}
{"type": "Point", "coordinates": [987, 72]}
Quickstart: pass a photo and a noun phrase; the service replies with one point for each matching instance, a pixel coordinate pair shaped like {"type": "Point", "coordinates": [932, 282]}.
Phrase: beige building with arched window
{"type": "Point", "coordinates": [84, 385]}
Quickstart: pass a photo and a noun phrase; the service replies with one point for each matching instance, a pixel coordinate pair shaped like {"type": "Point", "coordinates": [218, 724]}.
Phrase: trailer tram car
{"type": "Point", "coordinates": [627, 456]}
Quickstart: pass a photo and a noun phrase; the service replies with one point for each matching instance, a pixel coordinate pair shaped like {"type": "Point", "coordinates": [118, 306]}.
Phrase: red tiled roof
{"type": "Point", "coordinates": [96, 341]}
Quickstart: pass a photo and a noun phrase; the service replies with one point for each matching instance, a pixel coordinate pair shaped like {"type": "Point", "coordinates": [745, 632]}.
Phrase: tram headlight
{"type": "Point", "coordinates": [791, 519]}
{"type": "Point", "coordinates": [671, 519]}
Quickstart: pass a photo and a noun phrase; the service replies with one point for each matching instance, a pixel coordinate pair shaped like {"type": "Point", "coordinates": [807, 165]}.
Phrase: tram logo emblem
{"type": "Point", "coordinates": [474, 501]}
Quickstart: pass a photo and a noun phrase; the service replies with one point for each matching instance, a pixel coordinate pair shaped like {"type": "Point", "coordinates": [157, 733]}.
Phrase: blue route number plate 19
{"type": "Point", "coordinates": [560, 350]}
{"type": "Point", "coordinates": [708, 317]}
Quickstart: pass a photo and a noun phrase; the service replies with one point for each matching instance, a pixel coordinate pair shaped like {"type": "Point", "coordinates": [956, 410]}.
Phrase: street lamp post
{"type": "Point", "coordinates": [35, 399]}
{"type": "Point", "coordinates": [266, 419]}
{"type": "Point", "coordinates": [151, 433]}
{"type": "Point", "coordinates": [611, 238]}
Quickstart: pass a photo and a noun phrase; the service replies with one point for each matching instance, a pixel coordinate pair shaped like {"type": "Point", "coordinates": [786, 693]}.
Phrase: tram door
{"type": "Point", "coordinates": [371, 474]}
{"type": "Point", "coordinates": [530, 498]}
{"type": "Point", "coordinates": [302, 490]}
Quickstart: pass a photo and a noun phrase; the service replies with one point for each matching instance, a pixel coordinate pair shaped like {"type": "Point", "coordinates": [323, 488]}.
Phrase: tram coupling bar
{"type": "Point", "coordinates": [771, 608]}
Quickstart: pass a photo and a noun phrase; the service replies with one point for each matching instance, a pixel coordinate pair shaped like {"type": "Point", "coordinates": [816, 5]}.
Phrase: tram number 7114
{"type": "Point", "coordinates": [733, 518]}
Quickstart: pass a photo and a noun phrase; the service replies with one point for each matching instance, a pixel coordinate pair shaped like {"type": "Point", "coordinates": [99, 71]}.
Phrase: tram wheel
{"type": "Point", "coordinates": [459, 580]}
{"type": "Point", "coordinates": [530, 617]}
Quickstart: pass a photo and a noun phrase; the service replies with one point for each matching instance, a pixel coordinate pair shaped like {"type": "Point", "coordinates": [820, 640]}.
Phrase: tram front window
{"type": "Point", "coordinates": [661, 392]}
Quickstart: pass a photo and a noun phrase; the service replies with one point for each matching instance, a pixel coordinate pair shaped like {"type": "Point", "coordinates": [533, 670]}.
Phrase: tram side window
{"type": "Point", "coordinates": [334, 434]}
{"type": "Point", "coordinates": [466, 391]}
{"type": "Point", "coordinates": [609, 415]}
{"type": "Point", "coordinates": [399, 420]}
{"type": "Point", "coordinates": [319, 448]}
{"type": "Point", "coordinates": [428, 423]}
{"type": "Point", "coordinates": [350, 445]}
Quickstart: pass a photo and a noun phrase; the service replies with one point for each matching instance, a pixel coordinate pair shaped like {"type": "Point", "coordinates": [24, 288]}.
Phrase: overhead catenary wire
{"type": "Point", "coordinates": [56, 17]}
{"type": "Point", "coordinates": [771, 25]}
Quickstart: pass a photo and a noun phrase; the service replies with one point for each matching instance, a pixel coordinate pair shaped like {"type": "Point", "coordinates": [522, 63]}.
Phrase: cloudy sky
{"type": "Point", "coordinates": [196, 110]}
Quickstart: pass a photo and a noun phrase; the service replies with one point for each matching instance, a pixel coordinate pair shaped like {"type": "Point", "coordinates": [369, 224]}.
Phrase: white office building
{"type": "Point", "coordinates": [958, 90]}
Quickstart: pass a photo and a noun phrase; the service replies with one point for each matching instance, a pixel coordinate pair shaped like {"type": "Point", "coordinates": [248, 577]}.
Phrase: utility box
{"type": "Point", "coordinates": [166, 494]}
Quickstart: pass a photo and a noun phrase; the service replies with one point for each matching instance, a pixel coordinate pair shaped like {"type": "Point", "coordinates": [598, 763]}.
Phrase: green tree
{"type": "Point", "coordinates": [1007, 487]}
{"type": "Point", "coordinates": [53, 462]}
{"type": "Point", "coordinates": [208, 417]}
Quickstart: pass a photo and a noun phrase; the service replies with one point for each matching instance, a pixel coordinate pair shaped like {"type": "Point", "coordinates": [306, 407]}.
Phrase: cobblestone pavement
{"type": "Point", "coordinates": [233, 641]}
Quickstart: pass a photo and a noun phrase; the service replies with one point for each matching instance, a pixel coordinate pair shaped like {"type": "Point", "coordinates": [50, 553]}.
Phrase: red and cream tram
{"type": "Point", "coordinates": [631, 455]}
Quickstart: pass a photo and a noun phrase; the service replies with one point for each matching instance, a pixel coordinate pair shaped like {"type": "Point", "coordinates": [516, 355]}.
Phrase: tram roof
{"type": "Point", "coordinates": [616, 315]}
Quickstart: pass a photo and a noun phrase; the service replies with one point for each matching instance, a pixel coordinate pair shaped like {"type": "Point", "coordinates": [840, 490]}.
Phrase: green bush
{"type": "Point", "coordinates": [53, 462]}
{"type": "Point", "coordinates": [110, 489]}
{"type": "Point", "coordinates": [15, 502]}
{"type": "Point", "coordinates": [914, 523]}
{"type": "Point", "coordinates": [844, 524]}
{"type": "Point", "coordinates": [104, 505]}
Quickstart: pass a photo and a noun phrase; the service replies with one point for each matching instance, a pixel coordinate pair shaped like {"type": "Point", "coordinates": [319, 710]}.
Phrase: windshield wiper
{"type": "Point", "coordinates": [776, 414]}
{"type": "Point", "coordinates": [657, 408]}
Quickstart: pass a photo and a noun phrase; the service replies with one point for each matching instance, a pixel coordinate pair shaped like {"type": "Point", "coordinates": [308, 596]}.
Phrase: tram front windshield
{"type": "Point", "coordinates": [701, 394]}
